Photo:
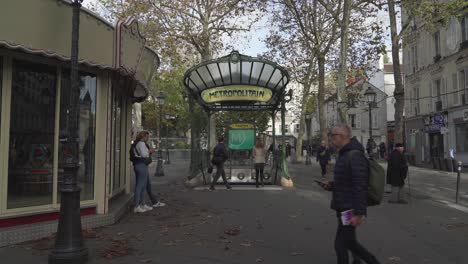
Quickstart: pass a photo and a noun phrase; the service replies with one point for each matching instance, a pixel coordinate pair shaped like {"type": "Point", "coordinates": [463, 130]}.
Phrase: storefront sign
{"type": "Point", "coordinates": [433, 128]}
{"type": "Point", "coordinates": [236, 93]}
{"type": "Point", "coordinates": [439, 119]}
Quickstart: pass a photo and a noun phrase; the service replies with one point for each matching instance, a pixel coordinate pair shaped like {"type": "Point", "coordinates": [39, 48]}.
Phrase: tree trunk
{"type": "Point", "coordinates": [342, 117]}
{"type": "Point", "coordinates": [321, 98]}
{"type": "Point", "coordinates": [399, 92]}
{"type": "Point", "coordinates": [302, 125]}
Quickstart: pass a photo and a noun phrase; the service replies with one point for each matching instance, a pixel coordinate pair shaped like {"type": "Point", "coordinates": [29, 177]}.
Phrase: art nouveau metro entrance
{"type": "Point", "coordinates": [241, 83]}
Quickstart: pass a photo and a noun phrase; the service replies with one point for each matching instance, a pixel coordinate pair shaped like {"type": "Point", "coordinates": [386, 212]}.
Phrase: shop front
{"type": "Point", "coordinates": [459, 135]}
{"type": "Point", "coordinates": [416, 147]}
{"type": "Point", "coordinates": [116, 69]}
{"type": "Point", "coordinates": [437, 131]}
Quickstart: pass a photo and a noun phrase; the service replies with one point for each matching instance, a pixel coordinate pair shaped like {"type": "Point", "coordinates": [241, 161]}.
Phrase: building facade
{"type": "Point", "coordinates": [358, 113]}
{"type": "Point", "coordinates": [436, 93]}
{"type": "Point", "coordinates": [115, 70]}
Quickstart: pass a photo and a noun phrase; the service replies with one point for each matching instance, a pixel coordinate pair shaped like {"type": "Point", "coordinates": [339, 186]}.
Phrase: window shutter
{"type": "Point", "coordinates": [455, 89]}
{"type": "Point", "coordinates": [432, 100]}
{"type": "Point", "coordinates": [444, 92]}
{"type": "Point", "coordinates": [465, 71]}
{"type": "Point", "coordinates": [358, 121]}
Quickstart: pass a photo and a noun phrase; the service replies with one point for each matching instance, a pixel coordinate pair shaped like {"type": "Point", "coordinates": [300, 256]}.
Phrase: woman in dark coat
{"type": "Point", "coordinates": [397, 170]}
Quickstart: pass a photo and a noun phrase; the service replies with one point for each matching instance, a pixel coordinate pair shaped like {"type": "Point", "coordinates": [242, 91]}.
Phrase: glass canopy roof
{"type": "Point", "coordinates": [237, 83]}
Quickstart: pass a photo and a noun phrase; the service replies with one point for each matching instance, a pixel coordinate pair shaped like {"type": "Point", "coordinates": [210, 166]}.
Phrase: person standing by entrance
{"type": "Point", "coordinates": [220, 155]}
{"type": "Point", "coordinates": [397, 170]}
{"type": "Point", "coordinates": [349, 188]}
{"type": "Point", "coordinates": [323, 157]}
{"type": "Point", "coordinates": [259, 155]}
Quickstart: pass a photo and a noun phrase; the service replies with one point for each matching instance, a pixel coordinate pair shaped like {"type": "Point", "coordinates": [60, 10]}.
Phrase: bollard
{"type": "Point", "coordinates": [458, 180]}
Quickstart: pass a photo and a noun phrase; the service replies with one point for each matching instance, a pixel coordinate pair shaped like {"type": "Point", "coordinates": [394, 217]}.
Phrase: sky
{"type": "Point", "coordinates": [251, 43]}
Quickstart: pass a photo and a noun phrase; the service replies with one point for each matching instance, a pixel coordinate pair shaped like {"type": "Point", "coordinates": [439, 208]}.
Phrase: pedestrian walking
{"type": "Point", "coordinates": [323, 157]}
{"type": "Point", "coordinates": [220, 155]}
{"type": "Point", "coordinates": [288, 149]}
{"type": "Point", "coordinates": [349, 199]}
{"type": "Point", "coordinates": [382, 150]}
{"type": "Point", "coordinates": [140, 154]}
{"type": "Point", "coordinates": [397, 171]}
{"type": "Point", "coordinates": [259, 155]}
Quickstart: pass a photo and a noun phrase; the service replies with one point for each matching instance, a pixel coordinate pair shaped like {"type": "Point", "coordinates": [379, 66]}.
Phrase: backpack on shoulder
{"type": "Point", "coordinates": [132, 151]}
{"type": "Point", "coordinates": [376, 180]}
{"type": "Point", "coordinates": [132, 154]}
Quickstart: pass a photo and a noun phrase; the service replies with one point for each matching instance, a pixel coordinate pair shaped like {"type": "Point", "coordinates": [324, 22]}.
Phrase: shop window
{"type": "Point", "coordinates": [1, 92]}
{"type": "Point", "coordinates": [118, 136]}
{"type": "Point", "coordinates": [462, 138]}
{"type": "Point", "coordinates": [87, 131]}
{"type": "Point", "coordinates": [32, 123]}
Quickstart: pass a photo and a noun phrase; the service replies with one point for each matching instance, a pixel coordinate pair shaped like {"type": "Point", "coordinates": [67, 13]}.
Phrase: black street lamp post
{"type": "Point", "coordinates": [69, 246]}
{"type": "Point", "coordinates": [159, 167]}
{"type": "Point", "coordinates": [370, 95]}
{"type": "Point", "coordinates": [168, 117]}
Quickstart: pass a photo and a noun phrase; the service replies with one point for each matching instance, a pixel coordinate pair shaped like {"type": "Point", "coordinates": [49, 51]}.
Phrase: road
{"type": "Point", "coordinates": [265, 226]}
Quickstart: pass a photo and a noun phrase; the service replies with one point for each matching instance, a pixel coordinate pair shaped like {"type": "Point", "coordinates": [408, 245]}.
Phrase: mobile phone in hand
{"type": "Point", "coordinates": [319, 183]}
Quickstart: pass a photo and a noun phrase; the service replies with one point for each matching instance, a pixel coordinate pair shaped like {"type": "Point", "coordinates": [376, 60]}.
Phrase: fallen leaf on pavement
{"type": "Point", "coordinates": [170, 243]}
{"type": "Point", "coordinates": [146, 260]}
{"type": "Point", "coordinates": [394, 258]}
{"type": "Point", "coordinates": [259, 260]}
{"type": "Point", "coordinates": [246, 244]}
{"type": "Point", "coordinates": [232, 231]}
{"type": "Point", "coordinates": [297, 254]}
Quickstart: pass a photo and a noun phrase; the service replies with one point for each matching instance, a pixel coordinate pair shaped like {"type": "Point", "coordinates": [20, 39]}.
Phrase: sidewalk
{"type": "Point", "coordinates": [436, 185]}
{"type": "Point", "coordinates": [432, 184]}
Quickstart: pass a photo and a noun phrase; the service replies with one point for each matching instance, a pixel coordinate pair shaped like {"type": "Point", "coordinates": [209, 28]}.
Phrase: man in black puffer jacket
{"type": "Point", "coordinates": [349, 187]}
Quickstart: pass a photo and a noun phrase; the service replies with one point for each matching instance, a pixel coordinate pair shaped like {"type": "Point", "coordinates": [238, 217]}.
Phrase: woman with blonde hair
{"type": "Point", "coordinates": [142, 159]}
{"type": "Point", "coordinates": [259, 154]}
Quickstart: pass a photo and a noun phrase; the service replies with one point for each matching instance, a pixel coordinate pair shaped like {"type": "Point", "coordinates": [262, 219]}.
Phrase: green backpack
{"type": "Point", "coordinates": [376, 179]}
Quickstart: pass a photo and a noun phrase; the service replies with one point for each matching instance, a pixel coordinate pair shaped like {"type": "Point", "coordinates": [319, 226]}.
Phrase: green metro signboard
{"type": "Point", "coordinates": [240, 139]}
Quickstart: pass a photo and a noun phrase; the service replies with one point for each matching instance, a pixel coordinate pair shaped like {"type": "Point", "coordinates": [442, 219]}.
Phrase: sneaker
{"type": "Point", "coordinates": [159, 204]}
{"type": "Point", "coordinates": [228, 187]}
{"type": "Point", "coordinates": [147, 207]}
{"type": "Point", "coordinates": [139, 209]}
{"type": "Point", "coordinates": [212, 188]}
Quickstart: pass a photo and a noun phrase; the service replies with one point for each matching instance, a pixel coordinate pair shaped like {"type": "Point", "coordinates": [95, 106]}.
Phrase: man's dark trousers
{"type": "Point", "coordinates": [346, 241]}
{"type": "Point", "coordinates": [323, 166]}
{"type": "Point", "coordinates": [220, 172]}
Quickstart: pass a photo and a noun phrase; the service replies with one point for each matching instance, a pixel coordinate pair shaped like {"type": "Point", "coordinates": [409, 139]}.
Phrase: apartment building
{"type": "Point", "coordinates": [436, 93]}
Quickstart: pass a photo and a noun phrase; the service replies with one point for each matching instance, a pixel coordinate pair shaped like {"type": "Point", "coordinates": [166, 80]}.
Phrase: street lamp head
{"type": "Point", "coordinates": [161, 98]}
{"type": "Point", "coordinates": [370, 95]}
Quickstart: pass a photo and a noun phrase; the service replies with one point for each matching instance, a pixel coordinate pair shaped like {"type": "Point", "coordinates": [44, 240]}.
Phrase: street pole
{"type": "Point", "coordinates": [69, 246]}
{"type": "Point", "coordinates": [159, 167]}
{"type": "Point", "coordinates": [458, 180]}
{"type": "Point", "coordinates": [370, 121]}
{"type": "Point", "coordinates": [167, 141]}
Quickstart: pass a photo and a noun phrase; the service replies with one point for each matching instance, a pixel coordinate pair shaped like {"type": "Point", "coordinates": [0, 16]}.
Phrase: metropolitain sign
{"type": "Point", "coordinates": [236, 93]}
